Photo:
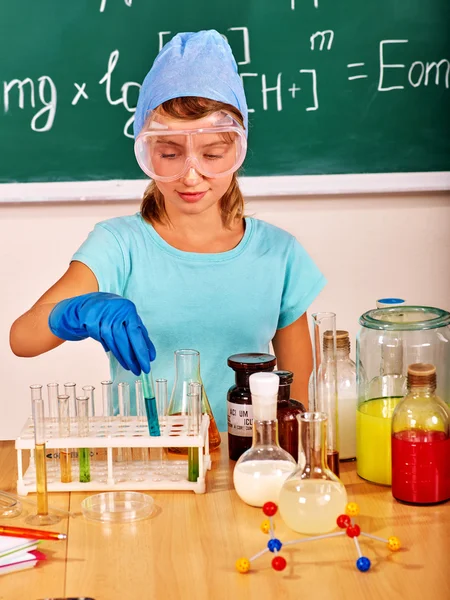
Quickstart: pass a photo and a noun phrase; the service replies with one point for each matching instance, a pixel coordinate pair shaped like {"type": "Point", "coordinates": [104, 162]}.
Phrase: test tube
{"type": "Point", "coordinates": [89, 392]}
{"type": "Point", "coordinates": [325, 381]}
{"type": "Point", "coordinates": [65, 457]}
{"type": "Point", "coordinates": [162, 406]}
{"type": "Point", "coordinates": [123, 390]}
{"type": "Point", "coordinates": [107, 400]}
{"type": "Point", "coordinates": [83, 431]}
{"type": "Point", "coordinates": [52, 400]}
{"type": "Point", "coordinates": [194, 417]}
{"type": "Point", "coordinates": [150, 405]}
{"type": "Point", "coordinates": [42, 517]}
{"type": "Point", "coordinates": [70, 389]}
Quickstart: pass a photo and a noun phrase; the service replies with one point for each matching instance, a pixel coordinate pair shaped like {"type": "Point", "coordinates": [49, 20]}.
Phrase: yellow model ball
{"type": "Point", "coordinates": [265, 526]}
{"type": "Point", "coordinates": [394, 543]}
{"type": "Point", "coordinates": [352, 509]}
{"type": "Point", "coordinates": [243, 565]}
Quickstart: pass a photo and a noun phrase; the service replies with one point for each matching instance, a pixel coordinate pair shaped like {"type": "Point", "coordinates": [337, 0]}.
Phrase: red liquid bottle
{"type": "Point", "coordinates": [421, 441]}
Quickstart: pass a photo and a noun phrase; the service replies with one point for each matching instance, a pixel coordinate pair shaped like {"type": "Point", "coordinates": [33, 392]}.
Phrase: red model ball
{"type": "Point", "coordinates": [269, 509]}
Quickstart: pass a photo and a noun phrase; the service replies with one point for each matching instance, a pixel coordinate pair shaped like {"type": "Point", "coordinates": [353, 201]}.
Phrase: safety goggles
{"type": "Point", "coordinates": [216, 148]}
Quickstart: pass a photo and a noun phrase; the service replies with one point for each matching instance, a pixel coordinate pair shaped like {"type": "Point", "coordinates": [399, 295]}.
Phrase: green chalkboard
{"type": "Point", "coordinates": [370, 94]}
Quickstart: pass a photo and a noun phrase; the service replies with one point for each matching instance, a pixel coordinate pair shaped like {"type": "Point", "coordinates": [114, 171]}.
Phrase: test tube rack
{"type": "Point", "coordinates": [109, 438]}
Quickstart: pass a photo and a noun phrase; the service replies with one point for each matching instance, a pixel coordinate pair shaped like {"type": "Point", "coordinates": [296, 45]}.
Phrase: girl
{"type": "Point", "coordinates": [189, 270]}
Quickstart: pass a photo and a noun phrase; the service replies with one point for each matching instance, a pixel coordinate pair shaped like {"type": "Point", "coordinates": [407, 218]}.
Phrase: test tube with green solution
{"type": "Point", "coordinates": [195, 414]}
{"type": "Point", "coordinates": [83, 431]}
{"type": "Point", "coordinates": [150, 405]}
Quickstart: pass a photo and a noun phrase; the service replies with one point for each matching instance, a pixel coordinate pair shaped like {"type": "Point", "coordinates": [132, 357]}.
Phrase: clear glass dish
{"type": "Point", "coordinates": [9, 507]}
{"type": "Point", "coordinates": [117, 507]}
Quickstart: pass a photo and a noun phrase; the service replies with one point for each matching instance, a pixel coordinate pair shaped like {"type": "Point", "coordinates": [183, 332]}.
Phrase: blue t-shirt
{"type": "Point", "coordinates": [219, 304]}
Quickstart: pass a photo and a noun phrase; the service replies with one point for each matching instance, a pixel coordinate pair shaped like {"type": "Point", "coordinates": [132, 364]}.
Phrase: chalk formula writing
{"type": "Point", "coordinates": [269, 93]}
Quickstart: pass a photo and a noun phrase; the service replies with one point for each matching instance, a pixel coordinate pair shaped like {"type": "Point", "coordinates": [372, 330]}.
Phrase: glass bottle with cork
{"type": "Point", "coordinates": [420, 441]}
{"type": "Point", "coordinates": [239, 400]}
{"type": "Point", "coordinates": [287, 411]}
{"type": "Point", "coordinates": [346, 391]}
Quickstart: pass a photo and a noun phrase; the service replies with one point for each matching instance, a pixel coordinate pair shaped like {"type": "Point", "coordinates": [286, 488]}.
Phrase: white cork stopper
{"type": "Point", "coordinates": [264, 390]}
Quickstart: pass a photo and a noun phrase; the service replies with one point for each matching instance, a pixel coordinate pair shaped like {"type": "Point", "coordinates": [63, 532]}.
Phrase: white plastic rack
{"type": "Point", "coordinates": [123, 456]}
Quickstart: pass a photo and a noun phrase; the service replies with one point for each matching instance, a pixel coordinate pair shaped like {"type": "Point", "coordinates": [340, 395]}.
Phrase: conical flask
{"type": "Point", "coordinates": [187, 371]}
{"type": "Point", "coordinates": [312, 497]}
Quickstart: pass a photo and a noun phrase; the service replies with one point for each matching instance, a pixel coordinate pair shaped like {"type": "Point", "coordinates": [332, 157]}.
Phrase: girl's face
{"type": "Point", "coordinates": [193, 192]}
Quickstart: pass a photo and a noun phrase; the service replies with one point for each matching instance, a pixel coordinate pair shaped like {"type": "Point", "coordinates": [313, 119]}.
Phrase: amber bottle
{"type": "Point", "coordinates": [287, 411]}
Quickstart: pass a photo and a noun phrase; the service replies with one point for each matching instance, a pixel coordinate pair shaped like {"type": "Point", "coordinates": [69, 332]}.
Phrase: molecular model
{"type": "Point", "coordinates": [352, 530]}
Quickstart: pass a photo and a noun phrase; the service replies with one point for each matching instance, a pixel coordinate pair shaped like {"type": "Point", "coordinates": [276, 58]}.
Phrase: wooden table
{"type": "Point", "coordinates": [188, 549]}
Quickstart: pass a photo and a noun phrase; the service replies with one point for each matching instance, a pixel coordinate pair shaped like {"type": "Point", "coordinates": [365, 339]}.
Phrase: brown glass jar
{"type": "Point", "coordinates": [287, 411]}
{"type": "Point", "coordinates": [239, 400]}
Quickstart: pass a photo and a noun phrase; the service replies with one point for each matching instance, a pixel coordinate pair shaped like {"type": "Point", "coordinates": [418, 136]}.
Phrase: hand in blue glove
{"type": "Point", "coordinates": [111, 320]}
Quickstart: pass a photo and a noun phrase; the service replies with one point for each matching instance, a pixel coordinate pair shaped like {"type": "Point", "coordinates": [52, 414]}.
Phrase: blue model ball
{"type": "Point", "coordinates": [363, 564]}
{"type": "Point", "coordinates": [274, 544]}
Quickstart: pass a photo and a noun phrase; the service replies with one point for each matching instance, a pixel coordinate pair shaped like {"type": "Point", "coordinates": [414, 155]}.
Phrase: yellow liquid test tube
{"type": "Point", "coordinates": [42, 517]}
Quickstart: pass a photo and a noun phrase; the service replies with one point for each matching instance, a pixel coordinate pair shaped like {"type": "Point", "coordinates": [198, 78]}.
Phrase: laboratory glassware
{"type": "Point", "coordinates": [150, 405]}
{"type": "Point", "coordinates": [260, 471]}
{"type": "Point", "coordinates": [187, 370]}
{"type": "Point", "coordinates": [43, 517]}
{"type": "Point", "coordinates": [70, 389]}
{"type": "Point", "coordinates": [347, 394]}
{"type": "Point", "coordinates": [239, 399]}
{"type": "Point", "coordinates": [389, 340]}
{"type": "Point", "coordinates": [65, 455]}
{"type": "Point", "coordinates": [107, 400]}
{"type": "Point", "coordinates": [287, 411]}
{"type": "Point", "coordinates": [420, 441]}
{"type": "Point", "coordinates": [83, 431]}
{"type": "Point", "coordinates": [312, 497]}
{"type": "Point", "coordinates": [325, 381]}
{"type": "Point", "coordinates": [52, 401]}
{"type": "Point", "coordinates": [89, 391]}
{"type": "Point", "coordinates": [195, 417]}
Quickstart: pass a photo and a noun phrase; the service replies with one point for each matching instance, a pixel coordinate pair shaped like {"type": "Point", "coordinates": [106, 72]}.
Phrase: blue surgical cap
{"type": "Point", "coordinates": [192, 64]}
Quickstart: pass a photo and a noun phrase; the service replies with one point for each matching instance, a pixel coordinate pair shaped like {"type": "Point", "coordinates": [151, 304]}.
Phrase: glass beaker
{"type": "Point", "coordinates": [391, 339]}
{"type": "Point", "coordinates": [420, 441]}
{"type": "Point", "coordinates": [325, 381]}
{"type": "Point", "coordinates": [187, 371]}
{"type": "Point", "coordinates": [261, 470]}
{"type": "Point", "coordinates": [313, 497]}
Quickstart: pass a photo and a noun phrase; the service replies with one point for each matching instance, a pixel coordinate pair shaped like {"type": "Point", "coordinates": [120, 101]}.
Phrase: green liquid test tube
{"type": "Point", "coordinates": [195, 414]}
{"type": "Point", "coordinates": [83, 431]}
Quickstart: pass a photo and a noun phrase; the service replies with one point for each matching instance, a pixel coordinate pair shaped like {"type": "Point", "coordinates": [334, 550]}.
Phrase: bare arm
{"type": "Point", "coordinates": [293, 350]}
{"type": "Point", "coordinates": [30, 334]}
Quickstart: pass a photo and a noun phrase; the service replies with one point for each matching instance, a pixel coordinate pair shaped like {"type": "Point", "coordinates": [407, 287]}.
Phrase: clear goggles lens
{"type": "Point", "coordinates": [215, 149]}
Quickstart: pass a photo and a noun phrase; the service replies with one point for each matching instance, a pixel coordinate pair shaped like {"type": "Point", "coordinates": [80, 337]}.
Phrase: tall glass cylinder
{"type": "Point", "coordinates": [187, 371]}
{"type": "Point", "coordinates": [325, 381]}
{"type": "Point", "coordinates": [65, 457]}
{"type": "Point", "coordinates": [83, 431]}
{"type": "Point", "coordinates": [89, 391]}
{"type": "Point", "coordinates": [313, 497]}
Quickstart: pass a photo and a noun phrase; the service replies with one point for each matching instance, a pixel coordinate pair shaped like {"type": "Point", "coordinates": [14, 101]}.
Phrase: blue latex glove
{"type": "Point", "coordinates": [111, 320]}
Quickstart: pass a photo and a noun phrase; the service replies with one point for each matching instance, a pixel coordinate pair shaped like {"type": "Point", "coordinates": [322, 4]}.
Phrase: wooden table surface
{"type": "Point", "coordinates": [189, 547]}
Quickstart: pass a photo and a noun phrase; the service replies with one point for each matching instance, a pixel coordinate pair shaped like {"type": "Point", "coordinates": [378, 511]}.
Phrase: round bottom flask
{"type": "Point", "coordinates": [312, 497]}
{"type": "Point", "coordinates": [261, 471]}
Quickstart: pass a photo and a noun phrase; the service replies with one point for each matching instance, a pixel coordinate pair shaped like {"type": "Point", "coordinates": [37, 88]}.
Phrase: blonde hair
{"type": "Point", "coordinates": [153, 207]}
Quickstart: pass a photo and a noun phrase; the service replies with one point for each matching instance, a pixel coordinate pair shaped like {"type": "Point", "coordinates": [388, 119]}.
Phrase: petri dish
{"type": "Point", "coordinates": [9, 507]}
{"type": "Point", "coordinates": [117, 507]}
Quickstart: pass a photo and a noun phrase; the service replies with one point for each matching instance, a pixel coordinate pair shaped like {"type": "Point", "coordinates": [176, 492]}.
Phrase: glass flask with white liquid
{"type": "Point", "coordinates": [261, 471]}
{"type": "Point", "coordinates": [313, 497]}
